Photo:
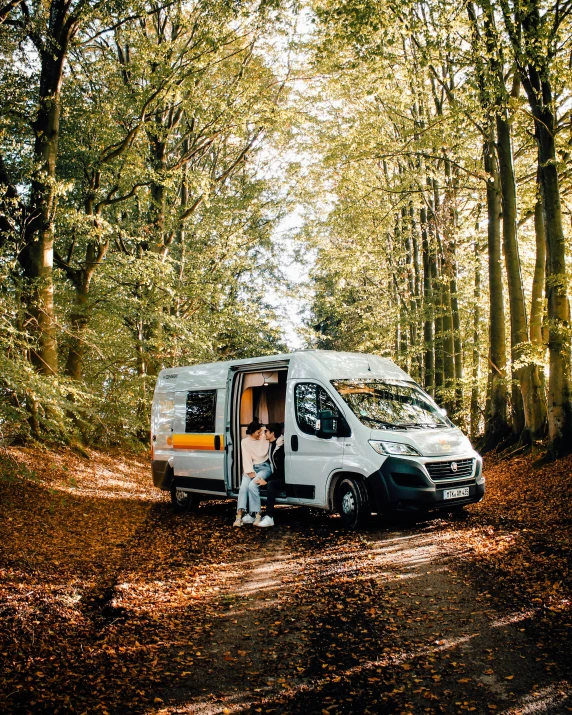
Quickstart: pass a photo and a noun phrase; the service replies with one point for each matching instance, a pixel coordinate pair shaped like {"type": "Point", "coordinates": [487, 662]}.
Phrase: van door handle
{"type": "Point", "coordinates": [294, 442]}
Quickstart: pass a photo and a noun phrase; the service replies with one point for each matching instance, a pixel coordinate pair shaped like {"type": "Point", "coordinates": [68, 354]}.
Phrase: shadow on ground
{"type": "Point", "coordinates": [116, 605]}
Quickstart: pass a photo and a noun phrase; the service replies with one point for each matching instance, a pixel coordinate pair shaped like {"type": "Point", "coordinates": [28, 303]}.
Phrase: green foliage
{"type": "Point", "coordinates": [398, 124]}
{"type": "Point", "coordinates": [163, 223]}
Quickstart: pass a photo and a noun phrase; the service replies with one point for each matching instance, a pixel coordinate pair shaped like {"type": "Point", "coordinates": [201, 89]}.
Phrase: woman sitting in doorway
{"type": "Point", "coordinates": [256, 468]}
{"type": "Point", "coordinates": [276, 481]}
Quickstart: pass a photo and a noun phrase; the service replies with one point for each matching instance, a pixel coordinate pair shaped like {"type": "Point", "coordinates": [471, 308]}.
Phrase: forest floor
{"type": "Point", "coordinates": [111, 603]}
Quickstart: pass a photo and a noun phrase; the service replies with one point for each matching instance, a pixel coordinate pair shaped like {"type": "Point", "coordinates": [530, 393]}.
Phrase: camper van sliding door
{"type": "Point", "coordinates": [198, 441]}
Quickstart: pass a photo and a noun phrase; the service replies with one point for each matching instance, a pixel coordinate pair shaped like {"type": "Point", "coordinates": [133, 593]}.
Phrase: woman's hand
{"type": "Point", "coordinates": [251, 474]}
{"type": "Point", "coordinates": [261, 481]}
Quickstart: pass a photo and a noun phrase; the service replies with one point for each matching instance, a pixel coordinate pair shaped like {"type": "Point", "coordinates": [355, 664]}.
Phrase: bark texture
{"type": "Point", "coordinates": [497, 425]}
{"type": "Point", "coordinates": [37, 256]}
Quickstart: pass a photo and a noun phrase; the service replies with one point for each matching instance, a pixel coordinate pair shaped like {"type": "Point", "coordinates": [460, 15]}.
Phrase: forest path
{"type": "Point", "coordinates": [380, 621]}
{"type": "Point", "coordinates": [114, 604]}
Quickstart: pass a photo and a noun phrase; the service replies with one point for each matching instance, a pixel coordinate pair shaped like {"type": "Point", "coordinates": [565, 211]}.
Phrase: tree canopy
{"type": "Point", "coordinates": [426, 146]}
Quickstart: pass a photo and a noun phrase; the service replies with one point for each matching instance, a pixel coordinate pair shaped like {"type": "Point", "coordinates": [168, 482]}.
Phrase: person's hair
{"type": "Point", "coordinates": [253, 427]}
{"type": "Point", "coordinates": [275, 428]}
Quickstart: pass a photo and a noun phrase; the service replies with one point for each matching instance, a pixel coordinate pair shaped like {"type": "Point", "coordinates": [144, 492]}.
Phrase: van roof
{"type": "Point", "coordinates": [324, 365]}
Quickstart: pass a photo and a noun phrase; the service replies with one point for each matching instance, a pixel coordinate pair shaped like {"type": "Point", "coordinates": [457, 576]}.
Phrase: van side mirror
{"type": "Point", "coordinates": [326, 424]}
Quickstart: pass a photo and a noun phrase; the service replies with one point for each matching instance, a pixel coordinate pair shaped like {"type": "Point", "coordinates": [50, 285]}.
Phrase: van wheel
{"type": "Point", "coordinates": [184, 501]}
{"type": "Point", "coordinates": [353, 503]}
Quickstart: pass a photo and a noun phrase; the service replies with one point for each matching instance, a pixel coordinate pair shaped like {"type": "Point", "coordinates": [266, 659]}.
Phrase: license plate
{"type": "Point", "coordinates": [456, 493]}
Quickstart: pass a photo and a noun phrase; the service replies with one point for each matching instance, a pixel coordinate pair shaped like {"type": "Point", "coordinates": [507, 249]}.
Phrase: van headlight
{"type": "Point", "coordinates": [393, 448]}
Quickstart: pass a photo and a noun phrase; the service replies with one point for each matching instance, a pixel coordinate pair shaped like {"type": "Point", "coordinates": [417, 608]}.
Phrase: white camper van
{"type": "Point", "coordinates": [360, 435]}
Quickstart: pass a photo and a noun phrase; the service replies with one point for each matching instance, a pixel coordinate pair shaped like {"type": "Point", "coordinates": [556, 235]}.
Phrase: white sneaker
{"type": "Point", "coordinates": [247, 519]}
{"type": "Point", "coordinates": [238, 520]}
{"type": "Point", "coordinates": [266, 521]}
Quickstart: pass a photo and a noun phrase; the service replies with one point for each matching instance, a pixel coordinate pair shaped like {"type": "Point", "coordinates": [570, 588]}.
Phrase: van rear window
{"type": "Point", "coordinates": [201, 411]}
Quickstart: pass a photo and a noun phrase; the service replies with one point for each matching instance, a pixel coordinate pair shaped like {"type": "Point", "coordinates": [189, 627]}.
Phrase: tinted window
{"type": "Point", "coordinates": [201, 411]}
{"type": "Point", "coordinates": [311, 399]}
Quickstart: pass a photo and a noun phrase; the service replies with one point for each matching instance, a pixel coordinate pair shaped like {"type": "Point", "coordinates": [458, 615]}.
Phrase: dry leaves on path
{"type": "Point", "coordinates": [113, 604]}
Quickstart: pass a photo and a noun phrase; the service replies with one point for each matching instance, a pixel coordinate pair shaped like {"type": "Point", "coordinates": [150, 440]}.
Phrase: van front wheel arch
{"type": "Point", "coordinates": [352, 502]}
{"type": "Point", "coordinates": [184, 501]}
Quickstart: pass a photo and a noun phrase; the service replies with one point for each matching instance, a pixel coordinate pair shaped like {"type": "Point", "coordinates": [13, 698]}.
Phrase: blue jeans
{"type": "Point", "coordinates": [249, 494]}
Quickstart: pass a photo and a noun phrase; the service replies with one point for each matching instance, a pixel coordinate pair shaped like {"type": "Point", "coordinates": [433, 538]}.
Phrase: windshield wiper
{"type": "Point", "coordinates": [428, 425]}
{"type": "Point", "coordinates": [383, 423]}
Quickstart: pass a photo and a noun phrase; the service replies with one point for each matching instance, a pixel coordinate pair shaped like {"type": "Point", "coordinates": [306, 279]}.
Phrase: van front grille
{"type": "Point", "coordinates": [450, 470]}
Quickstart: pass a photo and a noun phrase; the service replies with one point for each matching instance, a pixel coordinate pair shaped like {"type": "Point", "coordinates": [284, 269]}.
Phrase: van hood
{"type": "Point", "coordinates": [429, 442]}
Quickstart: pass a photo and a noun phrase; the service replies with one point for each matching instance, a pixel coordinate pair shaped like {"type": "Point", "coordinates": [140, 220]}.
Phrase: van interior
{"type": "Point", "coordinates": [260, 394]}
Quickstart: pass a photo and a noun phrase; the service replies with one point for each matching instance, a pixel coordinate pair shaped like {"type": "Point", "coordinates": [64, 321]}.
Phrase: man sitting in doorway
{"type": "Point", "coordinates": [276, 481]}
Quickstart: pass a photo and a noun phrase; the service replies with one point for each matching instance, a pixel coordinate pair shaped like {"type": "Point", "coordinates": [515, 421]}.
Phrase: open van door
{"type": "Point", "coordinates": [254, 390]}
{"type": "Point", "coordinates": [198, 441]}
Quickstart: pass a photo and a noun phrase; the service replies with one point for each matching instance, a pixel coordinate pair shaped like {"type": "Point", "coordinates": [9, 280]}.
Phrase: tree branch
{"type": "Point", "coordinates": [6, 9]}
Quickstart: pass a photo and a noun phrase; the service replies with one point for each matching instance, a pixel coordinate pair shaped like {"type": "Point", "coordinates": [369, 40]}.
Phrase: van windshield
{"type": "Point", "coordinates": [390, 405]}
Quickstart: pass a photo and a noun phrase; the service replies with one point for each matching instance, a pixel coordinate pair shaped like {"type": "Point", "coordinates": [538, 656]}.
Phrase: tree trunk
{"type": "Point", "coordinates": [452, 222]}
{"type": "Point", "coordinates": [447, 328]}
{"type": "Point", "coordinates": [528, 406]}
{"type": "Point", "coordinates": [414, 303]}
{"type": "Point", "coordinates": [448, 342]}
{"type": "Point", "coordinates": [437, 281]}
{"type": "Point", "coordinates": [79, 322]}
{"type": "Point", "coordinates": [428, 309]}
{"type": "Point", "coordinates": [559, 387]}
{"type": "Point", "coordinates": [457, 341]}
{"type": "Point", "coordinates": [538, 331]}
{"type": "Point", "coordinates": [526, 31]}
{"type": "Point", "coordinates": [37, 257]}
{"type": "Point", "coordinates": [496, 424]}
{"type": "Point", "coordinates": [417, 305]}
{"type": "Point", "coordinates": [81, 280]}
{"type": "Point", "coordinates": [537, 303]}
{"type": "Point", "coordinates": [496, 413]}
{"type": "Point", "coordinates": [439, 358]}
{"type": "Point", "coordinates": [518, 327]}
{"type": "Point", "coordinates": [475, 411]}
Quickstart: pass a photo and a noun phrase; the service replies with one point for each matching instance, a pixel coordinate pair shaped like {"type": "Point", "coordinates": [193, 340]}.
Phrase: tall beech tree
{"type": "Point", "coordinates": [535, 34]}
{"type": "Point", "coordinates": [528, 399]}
{"type": "Point", "coordinates": [51, 28]}
{"type": "Point", "coordinates": [455, 104]}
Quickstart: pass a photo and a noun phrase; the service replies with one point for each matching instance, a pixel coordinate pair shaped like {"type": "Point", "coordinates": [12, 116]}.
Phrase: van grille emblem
{"type": "Point", "coordinates": [454, 466]}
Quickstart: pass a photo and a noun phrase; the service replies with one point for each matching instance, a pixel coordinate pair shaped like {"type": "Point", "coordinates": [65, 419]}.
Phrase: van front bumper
{"type": "Point", "coordinates": [406, 484]}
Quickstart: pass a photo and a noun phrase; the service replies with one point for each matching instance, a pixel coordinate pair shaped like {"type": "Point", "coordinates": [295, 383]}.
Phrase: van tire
{"type": "Point", "coordinates": [184, 501]}
{"type": "Point", "coordinates": [352, 503]}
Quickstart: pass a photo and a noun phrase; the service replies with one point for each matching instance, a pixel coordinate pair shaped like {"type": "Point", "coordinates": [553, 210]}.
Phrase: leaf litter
{"type": "Point", "coordinates": [111, 603]}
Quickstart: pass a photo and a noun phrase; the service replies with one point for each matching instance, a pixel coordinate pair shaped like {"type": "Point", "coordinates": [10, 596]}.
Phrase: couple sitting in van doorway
{"type": "Point", "coordinates": [263, 464]}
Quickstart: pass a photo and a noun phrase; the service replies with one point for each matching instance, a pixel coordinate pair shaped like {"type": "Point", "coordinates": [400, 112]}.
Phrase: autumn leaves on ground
{"type": "Point", "coordinates": [111, 603]}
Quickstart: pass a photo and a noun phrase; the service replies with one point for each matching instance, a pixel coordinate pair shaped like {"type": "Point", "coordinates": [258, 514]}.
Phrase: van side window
{"type": "Point", "coordinates": [310, 399]}
{"type": "Point", "coordinates": [201, 411]}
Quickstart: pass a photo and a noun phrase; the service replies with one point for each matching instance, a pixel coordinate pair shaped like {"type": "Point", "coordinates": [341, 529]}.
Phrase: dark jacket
{"type": "Point", "coordinates": [276, 459]}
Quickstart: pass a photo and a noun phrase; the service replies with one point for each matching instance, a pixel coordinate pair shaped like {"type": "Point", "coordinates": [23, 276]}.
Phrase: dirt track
{"type": "Point", "coordinates": [182, 614]}
{"type": "Point", "coordinates": [317, 620]}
